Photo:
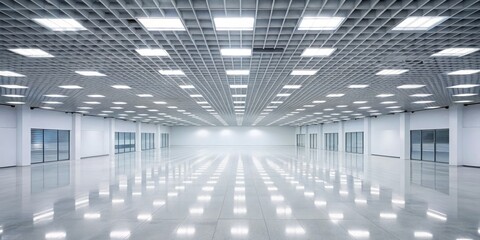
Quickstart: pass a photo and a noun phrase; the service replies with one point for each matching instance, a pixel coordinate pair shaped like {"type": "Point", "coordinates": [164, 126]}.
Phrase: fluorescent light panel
{"type": "Point", "coordinates": [320, 23]}
{"type": "Point", "coordinates": [60, 24]}
{"type": "Point", "coordinates": [31, 52]}
{"type": "Point", "coordinates": [358, 86]}
{"type": "Point", "coordinates": [234, 23]}
{"type": "Point", "coordinates": [121, 87]}
{"type": "Point", "coordinates": [318, 52]}
{"type": "Point", "coordinates": [238, 72]}
{"type": "Point", "coordinates": [303, 72]}
{"type": "Point", "coordinates": [391, 72]}
{"type": "Point", "coordinates": [238, 86]}
{"type": "Point", "coordinates": [13, 86]}
{"type": "Point", "coordinates": [171, 72]}
{"type": "Point", "coordinates": [410, 86]}
{"type": "Point", "coordinates": [335, 95]}
{"type": "Point", "coordinates": [10, 74]}
{"type": "Point", "coordinates": [461, 86]}
{"type": "Point", "coordinates": [152, 52]}
{"type": "Point", "coordinates": [421, 23]}
{"type": "Point", "coordinates": [236, 52]}
{"type": "Point", "coordinates": [90, 73]}
{"type": "Point", "coordinates": [70, 87]}
{"type": "Point", "coordinates": [162, 24]}
{"type": "Point", "coordinates": [292, 86]}
{"type": "Point", "coordinates": [464, 72]}
{"type": "Point", "coordinates": [455, 52]}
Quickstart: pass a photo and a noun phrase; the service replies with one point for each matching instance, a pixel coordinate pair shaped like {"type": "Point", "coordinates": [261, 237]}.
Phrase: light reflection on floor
{"type": "Point", "coordinates": [240, 193]}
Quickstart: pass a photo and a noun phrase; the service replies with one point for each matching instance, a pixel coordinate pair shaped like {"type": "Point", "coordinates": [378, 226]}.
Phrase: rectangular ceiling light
{"type": "Point", "coordinates": [238, 72]}
{"type": "Point", "coordinates": [10, 74]}
{"type": "Point", "coordinates": [90, 73]}
{"type": "Point", "coordinates": [410, 86]}
{"type": "Point", "coordinates": [55, 95]}
{"type": "Point", "coordinates": [421, 95]}
{"type": "Point", "coordinates": [384, 95]}
{"type": "Point", "coordinates": [152, 52]}
{"type": "Point", "coordinates": [318, 52]}
{"type": "Point", "coordinates": [186, 86]}
{"type": "Point", "coordinates": [391, 72]}
{"type": "Point", "coordinates": [321, 23]}
{"type": "Point", "coordinates": [303, 72]}
{"type": "Point", "coordinates": [121, 87]}
{"type": "Point", "coordinates": [283, 95]}
{"type": "Point", "coordinates": [239, 95]}
{"type": "Point", "coordinates": [292, 86]}
{"type": "Point", "coordinates": [238, 102]}
{"type": "Point", "coordinates": [144, 95]}
{"type": "Point", "coordinates": [13, 86]}
{"type": "Point", "coordinates": [419, 23]}
{"type": "Point", "coordinates": [202, 102]}
{"type": "Point", "coordinates": [162, 24]}
{"type": "Point", "coordinates": [358, 86]}
{"type": "Point", "coordinates": [70, 87]}
{"type": "Point", "coordinates": [234, 23]}
{"type": "Point", "coordinates": [238, 86]}
{"type": "Point", "coordinates": [461, 86]}
{"type": "Point", "coordinates": [335, 95]}
{"type": "Point", "coordinates": [276, 102]}
{"type": "Point", "coordinates": [455, 52]}
{"type": "Point", "coordinates": [60, 24]}
{"type": "Point", "coordinates": [31, 52]}
{"type": "Point", "coordinates": [464, 72]}
{"type": "Point", "coordinates": [196, 95]}
{"type": "Point", "coordinates": [241, 52]}
{"type": "Point", "coordinates": [171, 72]}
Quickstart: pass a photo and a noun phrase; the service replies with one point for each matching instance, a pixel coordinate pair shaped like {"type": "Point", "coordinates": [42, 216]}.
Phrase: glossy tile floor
{"type": "Point", "coordinates": [240, 193]}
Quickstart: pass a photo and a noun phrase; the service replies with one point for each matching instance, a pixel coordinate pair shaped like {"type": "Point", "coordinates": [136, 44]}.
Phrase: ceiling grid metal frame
{"type": "Point", "coordinates": [365, 44]}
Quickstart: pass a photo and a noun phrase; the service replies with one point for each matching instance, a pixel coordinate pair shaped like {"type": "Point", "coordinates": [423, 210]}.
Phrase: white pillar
{"type": "Point", "coordinates": [404, 136]}
{"type": "Point", "coordinates": [158, 137]}
{"type": "Point", "coordinates": [455, 134]}
{"type": "Point", "coordinates": [341, 137]}
{"type": "Point", "coordinates": [23, 136]}
{"type": "Point", "coordinates": [76, 136]}
{"type": "Point", "coordinates": [367, 141]}
{"type": "Point", "coordinates": [321, 138]}
{"type": "Point", "coordinates": [111, 137]}
{"type": "Point", "coordinates": [138, 137]}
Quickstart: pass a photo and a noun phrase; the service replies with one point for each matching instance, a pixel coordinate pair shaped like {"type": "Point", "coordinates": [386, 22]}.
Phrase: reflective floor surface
{"type": "Point", "coordinates": [240, 193]}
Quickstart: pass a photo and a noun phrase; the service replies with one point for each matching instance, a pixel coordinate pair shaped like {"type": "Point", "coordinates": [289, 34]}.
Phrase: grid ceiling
{"type": "Point", "coordinates": [365, 44]}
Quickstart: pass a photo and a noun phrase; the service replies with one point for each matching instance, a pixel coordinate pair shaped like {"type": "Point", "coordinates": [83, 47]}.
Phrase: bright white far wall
{"type": "Point", "coordinates": [94, 136]}
{"type": "Point", "coordinates": [8, 136]}
{"type": "Point", "coordinates": [471, 135]}
{"type": "Point", "coordinates": [232, 136]}
{"type": "Point", "coordinates": [385, 135]}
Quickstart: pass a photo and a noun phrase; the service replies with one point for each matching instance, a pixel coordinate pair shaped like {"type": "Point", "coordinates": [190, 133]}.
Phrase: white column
{"type": "Point", "coordinates": [138, 137]}
{"type": "Point", "coordinates": [23, 136]}
{"type": "Point", "coordinates": [341, 137]}
{"type": "Point", "coordinates": [455, 135]}
{"type": "Point", "coordinates": [76, 136]}
{"type": "Point", "coordinates": [321, 138]}
{"type": "Point", "coordinates": [111, 137]}
{"type": "Point", "coordinates": [404, 136]}
{"type": "Point", "coordinates": [367, 141]}
{"type": "Point", "coordinates": [158, 137]}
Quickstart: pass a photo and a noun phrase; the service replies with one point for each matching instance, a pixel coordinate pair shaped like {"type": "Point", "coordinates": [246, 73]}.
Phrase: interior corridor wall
{"type": "Point", "coordinates": [94, 136]}
{"type": "Point", "coordinates": [232, 136]}
{"type": "Point", "coordinates": [471, 135]}
{"type": "Point", "coordinates": [8, 136]}
{"type": "Point", "coordinates": [385, 135]}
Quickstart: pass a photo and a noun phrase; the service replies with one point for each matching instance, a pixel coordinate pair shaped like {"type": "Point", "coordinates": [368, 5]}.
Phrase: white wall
{"type": "Point", "coordinates": [431, 119]}
{"type": "Point", "coordinates": [331, 127]}
{"type": "Point", "coordinates": [353, 125]}
{"type": "Point", "coordinates": [95, 136]}
{"type": "Point", "coordinates": [221, 136]}
{"type": "Point", "coordinates": [149, 128]}
{"type": "Point", "coordinates": [44, 119]}
{"type": "Point", "coordinates": [124, 126]}
{"type": "Point", "coordinates": [8, 136]}
{"type": "Point", "coordinates": [471, 135]}
{"type": "Point", "coordinates": [385, 135]}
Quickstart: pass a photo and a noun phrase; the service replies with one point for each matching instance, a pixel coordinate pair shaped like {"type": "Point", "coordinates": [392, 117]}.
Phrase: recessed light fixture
{"type": "Point", "coordinates": [13, 95]}
{"type": "Point", "coordinates": [202, 102]}
{"type": "Point", "coordinates": [16, 103]}
{"type": "Point", "coordinates": [335, 95]}
{"type": "Point", "coordinates": [359, 102]}
{"type": "Point", "coordinates": [320, 23]}
{"type": "Point", "coordinates": [303, 72]}
{"type": "Point", "coordinates": [121, 87]}
{"type": "Point", "coordinates": [160, 102]}
{"type": "Point", "coordinates": [463, 101]}
{"type": "Point", "coordinates": [85, 108]}
{"type": "Point", "coordinates": [283, 94]}
{"type": "Point", "coordinates": [92, 103]}
{"type": "Point", "coordinates": [171, 72]}
{"type": "Point", "coordinates": [70, 87]}
{"type": "Point", "coordinates": [423, 102]}
{"type": "Point", "coordinates": [465, 86]}
{"type": "Point", "coordinates": [276, 102]}
{"type": "Point", "coordinates": [31, 52]}
{"type": "Point", "coordinates": [292, 86]}
{"type": "Point", "coordinates": [237, 72]}
{"type": "Point", "coordinates": [10, 74]}
{"type": "Point", "coordinates": [388, 102]}
{"type": "Point", "coordinates": [152, 52]}
{"type": "Point", "coordinates": [342, 106]}
{"type": "Point", "coordinates": [234, 23]}
{"type": "Point", "coordinates": [13, 86]}
{"type": "Point", "coordinates": [455, 52]}
{"type": "Point", "coordinates": [410, 86]}
{"type": "Point", "coordinates": [421, 23]}
{"type": "Point", "coordinates": [60, 24]}
{"type": "Point", "coordinates": [144, 95]}
{"type": "Point", "coordinates": [391, 72]}
{"type": "Point", "coordinates": [432, 107]}
{"type": "Point", "coordinates": [358, 86]}
{"type": "Point", "coordinates": [238, 86]}
{"type": "Point", "coordinates": [319, 101]}
{"type": "Point", "coordinates": [196, 96]}
{"type": "Point", "coordinates": [142, 107]}
{"type": "Point", "coordinates": [162, 24]}
{"type": "Point", "coordinates": [394, 107]}
{"type": "Point", "coordinates": [364, 108]}
{"type": "Point", "coordinates": [236, 52]}
{"type": "Point", "coordinates": [317, 52]}
{"type": "Point", "coordinates": [95, 96]}
{"type": "Point", "coordinates": [117, 108]}
{"type": "Point", "coordinates": [172, 107]}
{"type": "Point", "coordinates": [464, 72]}
{"type": "Point", "coordinates": [465, 94]}
{"type": "Point", "coordinates": [47, 108]}
{"type": "Point", "coordinates": [239, 95]}
{"type": "Point", "coordinates": [384, 95]}
{"type": "Point", "coordinates": [186, 86]}
{"type": "Point", "coordinates": [119, 103]}
{"type": "Point", "coordinates": [55, 95]}
{"type": "Point", "coordinates": [90, 73]}
{"type": "Point", "coordinates": [421, 95]}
